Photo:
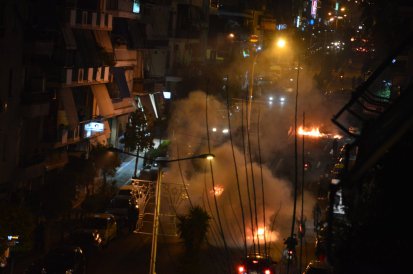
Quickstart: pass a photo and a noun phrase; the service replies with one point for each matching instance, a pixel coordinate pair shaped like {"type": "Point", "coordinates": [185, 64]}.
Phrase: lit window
{"type": "Point", "coordinates": [136, 6]}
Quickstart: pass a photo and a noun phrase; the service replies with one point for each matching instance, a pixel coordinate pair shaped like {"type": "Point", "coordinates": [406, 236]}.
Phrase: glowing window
{"type": "Point", "coordinates": [136, 6]}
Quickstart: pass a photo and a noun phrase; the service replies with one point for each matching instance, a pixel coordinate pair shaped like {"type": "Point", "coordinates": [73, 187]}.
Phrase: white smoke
{"type": "Point", "coordinates": [188, 133]}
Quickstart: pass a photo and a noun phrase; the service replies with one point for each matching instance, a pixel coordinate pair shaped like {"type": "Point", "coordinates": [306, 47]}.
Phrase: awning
{"type": "Point", "coordinates": [70, 107]}
{"type": "Point", "coordinates": [120, 79]}
{"type": "Point", "coordinates": [103, 40]}
{"type": "Point", "coordinates": [69, 37]}
{"type": "Point", "coordinates": [103, 100]}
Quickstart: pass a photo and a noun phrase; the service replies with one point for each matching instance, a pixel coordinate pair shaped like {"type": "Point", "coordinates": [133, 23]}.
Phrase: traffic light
{"type": "Point", "coordinates": [307, 166]}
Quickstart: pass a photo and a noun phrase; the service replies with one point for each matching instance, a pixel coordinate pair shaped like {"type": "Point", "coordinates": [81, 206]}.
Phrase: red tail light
{"type": "Point", "coordinates": [241, 269]}
{"type": "Point", "coordinates": [267, 271]}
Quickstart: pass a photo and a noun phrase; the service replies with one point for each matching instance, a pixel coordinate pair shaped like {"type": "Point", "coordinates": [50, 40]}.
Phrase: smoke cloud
{"type": "Point", "coordinates": [240, 205]}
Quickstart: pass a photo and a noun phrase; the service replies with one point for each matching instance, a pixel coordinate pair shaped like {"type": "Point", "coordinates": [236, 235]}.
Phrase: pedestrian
{"type": "Point", "coordinates": [133, 215]}
{"type": "Point", "coordinates": [291, 242]}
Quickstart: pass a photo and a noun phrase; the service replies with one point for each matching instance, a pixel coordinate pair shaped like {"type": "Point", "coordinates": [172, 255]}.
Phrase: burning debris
{"type": "Point", "coordinates": [315, 132]}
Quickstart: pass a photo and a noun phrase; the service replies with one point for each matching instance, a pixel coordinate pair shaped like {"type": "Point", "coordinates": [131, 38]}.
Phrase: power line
{"type": "Point", "coordinates": [246, 176]}
{"type": "Point", "coordinates": [236, 174]}
{"type": "Point", "coordinates": [262, 180]}
{"type": "Point", "coordinates": [213, 183]}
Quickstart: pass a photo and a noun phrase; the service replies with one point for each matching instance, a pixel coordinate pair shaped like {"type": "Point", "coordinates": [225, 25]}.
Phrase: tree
{"type": "Point", "coordinates": [192, 229]}
{"type": "Point", "coordinates": [160, 151]}
{"type": "Point", "coordinates": [139, 133]}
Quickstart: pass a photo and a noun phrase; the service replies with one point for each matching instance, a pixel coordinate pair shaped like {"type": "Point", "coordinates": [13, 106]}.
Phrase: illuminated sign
{"type": "Point", "coordinates": [281, 26]}
{"type": "Point", "coordinates": [314, 8]}
{"type": "Point", "coordinates": [95, 127]}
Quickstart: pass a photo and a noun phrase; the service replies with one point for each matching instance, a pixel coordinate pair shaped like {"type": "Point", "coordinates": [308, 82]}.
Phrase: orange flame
{"type": "Point", "coordinates": [315, 132]}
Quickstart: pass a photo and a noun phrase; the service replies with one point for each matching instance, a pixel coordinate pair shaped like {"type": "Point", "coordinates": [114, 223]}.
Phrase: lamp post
{"type": "Point", "coordinates": [161, 162]}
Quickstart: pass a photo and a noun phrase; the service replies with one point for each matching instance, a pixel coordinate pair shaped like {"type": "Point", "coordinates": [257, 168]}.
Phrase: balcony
{"type": "Point", "coordinates": [92, 20]}
{"type": "Point", "coordinates": [65, 136]}
{"type": "Point", "coordinates": [72, 77]}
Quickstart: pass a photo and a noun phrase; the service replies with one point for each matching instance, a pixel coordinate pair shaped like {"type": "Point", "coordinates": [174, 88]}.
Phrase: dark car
{"type": "Point", "coordinates": [62, 260]}
{"type": "Point", "coordinates": [257, 264]}
{"type": "Point", "coordinates": [119, 206]}
{"type": "Point", "coordinates": [89, 241]}
{"type": "Point", "coordinates": [148, 173]}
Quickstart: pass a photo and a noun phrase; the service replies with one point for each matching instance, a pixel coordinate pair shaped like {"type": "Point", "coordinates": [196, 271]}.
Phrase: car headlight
{"type": "Point", "coordinates": [69, 271]}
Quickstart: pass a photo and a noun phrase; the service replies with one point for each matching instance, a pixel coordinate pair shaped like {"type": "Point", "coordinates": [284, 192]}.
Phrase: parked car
{"type": "Point", "coordinates": [257, 263]}
{"type": "Point", "coordinates": [103, 223]}
{"type": "Point", "coordinates": [64, 259]}
{"type": "Point", "coordinates": [118, 207]}
{"type": "Point", "coordinates": [148, 173]}
{"type": "Point", "coordinates": [125, 190]}
{"type": "Point", "coordinates": [89, 241]}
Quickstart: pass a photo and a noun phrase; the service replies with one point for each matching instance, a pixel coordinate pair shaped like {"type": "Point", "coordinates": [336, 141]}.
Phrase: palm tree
{"type": "Point", "coordinates": [193, 228]}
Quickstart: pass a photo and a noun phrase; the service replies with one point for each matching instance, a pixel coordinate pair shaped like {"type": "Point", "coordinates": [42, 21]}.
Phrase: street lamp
{"type": "Point", "coordinates": [161, 162]}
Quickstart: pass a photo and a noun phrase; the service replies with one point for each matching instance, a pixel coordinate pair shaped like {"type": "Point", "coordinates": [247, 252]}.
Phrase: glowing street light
{"type": "Point", "coordinates": [161, 162]}
{"type": "Point", "coordinates": [281, 43]}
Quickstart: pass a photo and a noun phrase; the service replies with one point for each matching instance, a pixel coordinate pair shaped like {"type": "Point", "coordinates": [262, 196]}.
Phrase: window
{"type": "Point", "coordinates": [136, 6]}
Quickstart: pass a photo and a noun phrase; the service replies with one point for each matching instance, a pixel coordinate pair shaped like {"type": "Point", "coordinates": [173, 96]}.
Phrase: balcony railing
{"type": "Point", "coordinates": [70, 77]}
{"type": "Point", "coordinates": [89, 19]}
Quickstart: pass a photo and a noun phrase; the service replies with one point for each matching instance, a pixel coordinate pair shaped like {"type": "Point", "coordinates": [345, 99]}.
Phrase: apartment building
{"type": "Point", "coordinates": [73, 71]}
